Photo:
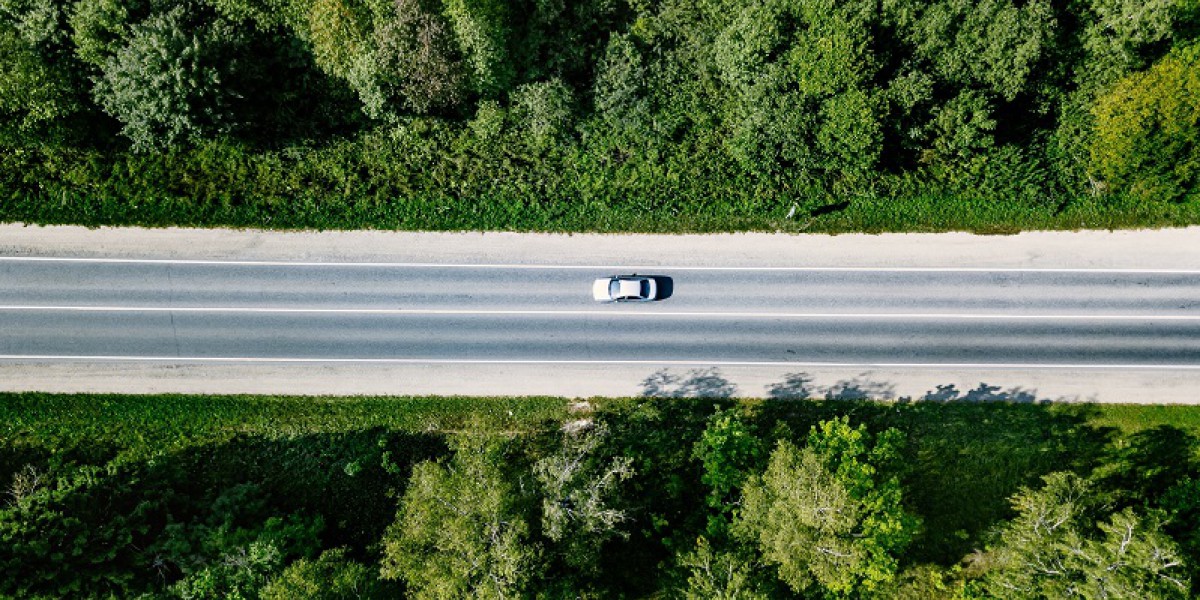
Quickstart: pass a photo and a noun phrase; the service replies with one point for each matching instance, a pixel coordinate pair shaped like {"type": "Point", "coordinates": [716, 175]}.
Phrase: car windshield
{"type": "Point", "coordinates": [645, 289]}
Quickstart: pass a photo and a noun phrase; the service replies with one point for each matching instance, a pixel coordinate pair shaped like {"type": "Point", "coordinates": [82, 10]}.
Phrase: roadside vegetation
{"type": "Point", "coordinates": [602, 115]}
{"type": "Point", "coordinates": [260, 497]}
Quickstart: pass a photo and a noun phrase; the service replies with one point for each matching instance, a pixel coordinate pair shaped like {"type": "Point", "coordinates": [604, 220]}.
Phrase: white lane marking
{"type": "Point", "coordinates": [593, 313]}
{"type": "Point", "coordinates": [714, 363]}
{"type": "Point", "coordinates": [614, 268]}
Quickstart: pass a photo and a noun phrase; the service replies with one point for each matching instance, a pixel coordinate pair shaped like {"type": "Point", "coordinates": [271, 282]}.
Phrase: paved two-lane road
{"type": "Point", "coordinates": [62, 310]}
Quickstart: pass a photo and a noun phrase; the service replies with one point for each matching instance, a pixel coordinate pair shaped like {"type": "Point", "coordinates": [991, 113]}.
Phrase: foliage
{"type": "Point", "coordinates": [166, 85]}
{"type": "Point", "coordinates": [1148, 129]}
{"type": "Point", "coordinates": [1063, 543]}
{"type": "Point", "coordinates": [825, 516]}
{"type": "Point", "coordinates": [159, 496]}
{"type": "Point", "coordinates": [462, 529]}
{"type": "Point", "coordinates": [332, 576]}
{"type": "Point", "coordinates": [600, 115]}
{"type": "Point", "coordinates": [578, 489]}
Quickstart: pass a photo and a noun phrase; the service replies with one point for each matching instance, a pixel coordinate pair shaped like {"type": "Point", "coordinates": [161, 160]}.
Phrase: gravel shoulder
{"type": "Point", "coordinates": [1138, 249]}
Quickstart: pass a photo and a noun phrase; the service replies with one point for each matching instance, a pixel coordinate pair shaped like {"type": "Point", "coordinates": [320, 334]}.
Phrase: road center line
{"type": "Point", "coordinates": [684, 363]}
{"type": "Point", "coordinates": [616, 312]}
{"type": "Point", "coordinates": [606, 268]}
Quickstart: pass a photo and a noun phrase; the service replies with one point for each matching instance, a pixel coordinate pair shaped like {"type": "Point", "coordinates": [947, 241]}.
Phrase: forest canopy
{"type": "Point", "coordinates": [699, 498]}
{"type": "Point", "coordinates": [601, 114]}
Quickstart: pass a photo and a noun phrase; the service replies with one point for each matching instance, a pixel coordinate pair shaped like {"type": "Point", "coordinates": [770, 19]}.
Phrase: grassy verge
{"type": "Point", "coordinates": [135, 426]}
{"type": "Point", "coordinates": [375, 182]}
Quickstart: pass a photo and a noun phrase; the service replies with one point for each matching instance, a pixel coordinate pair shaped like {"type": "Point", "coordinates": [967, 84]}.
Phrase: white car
{"type": "Point", "coordinates": [624, 288]}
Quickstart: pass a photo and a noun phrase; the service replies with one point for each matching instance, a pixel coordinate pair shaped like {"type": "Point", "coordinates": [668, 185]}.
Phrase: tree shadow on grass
{"type": "Point", "coordinates": [1149, 463]}
{"type": "Point", "coordinates": [665, 498]}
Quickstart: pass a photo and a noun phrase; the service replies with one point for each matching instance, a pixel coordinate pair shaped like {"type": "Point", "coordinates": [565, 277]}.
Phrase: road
{"type": "Point", "coordinates": [180, 311]}
{"type": "Point", "coordinates": [1091, 315]}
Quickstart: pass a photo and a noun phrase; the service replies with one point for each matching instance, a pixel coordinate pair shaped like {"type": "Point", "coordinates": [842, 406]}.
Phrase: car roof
{"type": "Point", "coordinates": [631, 287]}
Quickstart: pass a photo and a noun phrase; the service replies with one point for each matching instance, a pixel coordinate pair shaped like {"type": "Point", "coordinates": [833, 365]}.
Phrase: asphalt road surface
{"type": "Point", "coordinates": [64, 310]}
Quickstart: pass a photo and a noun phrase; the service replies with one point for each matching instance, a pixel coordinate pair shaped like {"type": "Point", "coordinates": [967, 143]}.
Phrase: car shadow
{"type": "Point", "coordinates": [665, 285]}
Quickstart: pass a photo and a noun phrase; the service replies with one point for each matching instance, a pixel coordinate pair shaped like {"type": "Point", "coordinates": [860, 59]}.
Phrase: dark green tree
{"type": "Point", "coordinates": [167, 85]}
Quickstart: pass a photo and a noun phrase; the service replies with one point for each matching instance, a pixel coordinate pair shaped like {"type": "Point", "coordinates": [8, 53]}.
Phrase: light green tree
{"type": "Point", "coordinates": [1063, 544]}
{"type": "Point", "coordinates": [579, 489]}
{"type": "Point", "coordinates": [417, 60]}
{"type": "Point", "coordinates": [483, 31]}
{"type": "Point", "coordinates": [1147, 138]}
{"type": "Point", "coordinates": [718, 575]}
{"type": "Point", "coordinates": [462, 529]}
{"type": "Point", "coordinates": [543, 110]}
{"type": "Point", "coordinates": [825, 516]}
{"type": "Point", "coordinates": [332, 576]}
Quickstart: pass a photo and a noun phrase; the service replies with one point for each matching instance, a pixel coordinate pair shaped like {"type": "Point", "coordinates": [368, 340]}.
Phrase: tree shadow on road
{"type": "Point", "coordinates": [697, 383]}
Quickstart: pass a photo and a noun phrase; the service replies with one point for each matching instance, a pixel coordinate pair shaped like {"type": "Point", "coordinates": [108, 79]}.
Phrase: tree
{"type": "Point", "coordinates": [332, 576]}
{"type": "Point", "coordinates": [1181, 503]}
{"type": "Point", "coordinates": [963, 126]}
{"type": "Point", "coordinates": [462, 529]}
{"type": "Point", "coordinates": [417, 59]}
{"type": "Point", "coordinates": [1147, 137]}
{"type": "Point", "coordinates": [167, 83]}
{"type": "Point", "coordinates": [716, 575]}
{"type": "Point", "coordinates": [578, 490]}
{"type": "Point", "coordinates": [1121, 36]}
{"type": "Point", "coordinates": [797, 75]}
{"type": "Point", "coordinates": [483, 31]}
{"type": "Point", "coordinates": [33, 91]}
{"type": "Point", "coordinates": [543, 110]}
{"type": "Point", "coordinates": [996, 45]}
{"type": "Point", "coordinates": [730, 453]}
{"type": "Point", "coordinates": [825, 515]}
{"type": "Point", "coordinates": [1063, 544]}
{"type": "Point", "coordinates": [99, 28]}
{"type": "Point", "coordinates": [238, 575]}
{"type": "Point", "coordinates": [619, 92]}
{"type": "Point", "coordinates": [40, 81]}
{"type": "Point", "coordinates": [340, 34]}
